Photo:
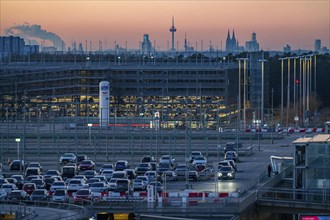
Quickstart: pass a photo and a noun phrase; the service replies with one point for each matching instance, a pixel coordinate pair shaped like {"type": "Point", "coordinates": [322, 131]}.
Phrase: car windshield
{"type": "Point", "coordinates": [38, 192]}
{"type": "Point", "coordinates": [75, 182]}
{"type": "Point", "coordinates": [36, 181]}
{"type": "Point", "coordinates": [83, 192]}
{"type": "Point", "coordinates": [225, 168]}
{"type": "Point", "coordinates": [58, 183]}
{"type": "Point", "coordinates": [143, 165]}
{"type": "Point", "coordinates": [68, 155]}
{"type": "Point", "coordinates": [86, 162]}
{"type": "Point", "coordinates": [59, 193]}
{"type": "Point", "coordinates": [15, 193]}
{"type": "Point", "coordinates": [97, 185]}
{"type": "Point", "coordinates": [164, 165]}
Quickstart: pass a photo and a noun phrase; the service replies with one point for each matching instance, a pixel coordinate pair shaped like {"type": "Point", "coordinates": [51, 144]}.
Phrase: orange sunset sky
{"type": "Point", "coordinates": [276, 22]}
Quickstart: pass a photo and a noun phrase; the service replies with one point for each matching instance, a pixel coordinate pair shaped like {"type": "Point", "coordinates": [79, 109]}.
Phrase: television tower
{"type": "Point", "coordinates": [172, 29]}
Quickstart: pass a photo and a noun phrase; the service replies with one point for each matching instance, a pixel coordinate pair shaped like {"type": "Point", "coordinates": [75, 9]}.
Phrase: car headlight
{"type": "Point", "coordinates": [219, 174]}
{"type": "Point", "coordinates": [230, 174]}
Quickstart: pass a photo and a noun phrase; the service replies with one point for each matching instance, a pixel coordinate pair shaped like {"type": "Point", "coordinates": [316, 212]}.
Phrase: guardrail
{"type": "Point", "coordinates": [30, 209]}
{"type": "Point", "coordinates": [312, 198]}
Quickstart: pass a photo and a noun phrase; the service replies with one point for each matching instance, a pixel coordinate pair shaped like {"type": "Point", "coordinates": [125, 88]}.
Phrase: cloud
{"type": "Point", "coordinates": [35, 34]}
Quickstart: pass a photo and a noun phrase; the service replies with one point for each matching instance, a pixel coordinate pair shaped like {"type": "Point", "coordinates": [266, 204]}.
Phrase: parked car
{"type": "Point", "coordinates": [39, 194]}
{"type": "Point", "coordinates": [76, 184]}
{"type": "Point", "coordinates": [112, 184]}
{"type": "Point", "coordinates": [68, 158]}
{"type": "Point", "coordinates": [17, 165]}
{"type": "Point", "coordinates": [83, 195]}
{"type": "Point", "coordinates": [226, 172]}
{"type": "Point", "coordinates": [86, 165]}
{"type": "Point", "coordinates": [148, 159]}
{"type": "Point", "coordinates": [130, 173]}
{"type": "Point", "coordinates": [123, 185]}
{"type": "Point", "coordinates": [193, 155]}
{"type": "Point", "coordinates": [119, 175]}
{"type": "Point", "coordinates": [58, 185]}
{"type": "Point", "coordinates": [144, 179]}
{"type": "Point", "coordinates": [193, 175]}
{"type": "Point", "coordinates": [139, 184]}
{"type": "Point", "coordinates": [98, 188]}
{"type": "Point", "coordinates": [206, 174]}
{"type": "Point", "coordinates": [18, 195]}
{"type": "Point", "coordinates": [181, 171]}
{"type": "Point", "coordinates": [32, 171]}
{"type": "Point", "coordinates": [223, 163]}
{"type": "Point", "coordinates": [169, 176]}
{"type": "Point", "coordinates": [231, 155]}
{"type": "Point", "coordinates": [89, 173]}
{"type": "Point", "coordinates": [29, 187]}
{"type": "Point", "coordinates": [152, 175]}
{"type": "Point", "coordinates": [232, 164]}
{"type": "Point", "coordinates": [80, 158]}
{"type": "Point", "coordinates": [232, 146]}
{"type": "Point", "coordinates": [50, 173]}
{"type": "Point", "coordinates": [3, 194]}
{"type": "Point", "coordinates": [168, 159]}
{"type": "Point", "coordinates": [20, 180]}
{"type": "Point", "coordinates": [107, 173]}
{"type": "Point", "coordinates": [3, 181]}
{"type": "Point", "coordinates": [163, 166]}
{"type": "Point", "coordinates": [34, 164]}
{"type": "Point", "coordinates": [93, 180]}
{"type": "Point", "coordinates": [8, 187]}
{"type": "Point", "coordinates": [200, 166]}
{"type": "Point", "coordinates": [106, 166]}
{"type": "Point", "coordinates": [141, 168]}
{"type": "Point", "coordinates": [40, 183]}
{"type": "Point", "coordinates": [199, 160]}
{"type": "Point", "coordinates": [121, 165]}
{"type": "Point", "coordinates": [60, 195]}
{"type": "Point", "coordinates": [69, 171]}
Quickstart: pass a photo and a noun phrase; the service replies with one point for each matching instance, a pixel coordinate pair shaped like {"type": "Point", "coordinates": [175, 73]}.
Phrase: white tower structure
{"type": "Point", "coordinates": [104, 96]}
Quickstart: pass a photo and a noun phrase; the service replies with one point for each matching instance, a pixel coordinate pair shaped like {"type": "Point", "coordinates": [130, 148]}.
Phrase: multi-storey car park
{"type": "Point", "coordinates": [201, 94]}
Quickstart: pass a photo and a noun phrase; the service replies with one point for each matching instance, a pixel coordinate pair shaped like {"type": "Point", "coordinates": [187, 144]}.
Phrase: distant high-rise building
{"type": "Point", "coordinates": [287, 49]}
{"type": "Point", "coordinates": [231, 43]}
{"type": "Point", "coordinates": [253, 44]}
{"type": "Point", "coordinates": [317, 45]}
{"type": "Point", "coordinates": [146, 45]}
{"type": "Point", "coordinates": [14, 45]}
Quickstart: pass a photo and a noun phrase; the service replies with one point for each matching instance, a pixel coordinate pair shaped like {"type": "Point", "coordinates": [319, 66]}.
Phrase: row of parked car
{"type": "Point", "coordinates": [79, 180]}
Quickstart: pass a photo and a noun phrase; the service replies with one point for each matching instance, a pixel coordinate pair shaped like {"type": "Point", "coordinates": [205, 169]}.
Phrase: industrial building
{"type": "Point", "coordinates": [201, 94]}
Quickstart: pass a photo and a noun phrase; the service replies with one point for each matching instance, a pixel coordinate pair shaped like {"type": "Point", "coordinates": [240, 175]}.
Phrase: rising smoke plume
{"type": "Point", "coordinates": [35, 35]}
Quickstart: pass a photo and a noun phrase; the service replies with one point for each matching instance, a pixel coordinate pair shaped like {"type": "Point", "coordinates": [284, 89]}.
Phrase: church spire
{"type": "Point", "coordinates": [233, 38]}
{"type": "Point", "coordinates": [228, 35]}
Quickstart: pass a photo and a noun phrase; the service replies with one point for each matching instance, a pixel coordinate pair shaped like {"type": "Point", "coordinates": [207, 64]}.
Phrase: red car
{"type": "Point", "coordinates": [86, 165]}
{"type": "Point", "coordinates": [29, 188]}
{"type": "Point", "coordinates": [83, 195]}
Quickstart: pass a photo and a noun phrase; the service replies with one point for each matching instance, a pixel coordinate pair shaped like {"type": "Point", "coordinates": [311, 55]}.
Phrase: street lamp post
{"type": "Point", "coordinates": [282, 79]}
{"type": "Point", "coordinates": [272, 124]}
{"type": "Point", "coordinates": [90, 132]}
{"type": "Point", "coordinates": [18, 140]}
{"type": "Point", "coordinates": [262, 88]}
